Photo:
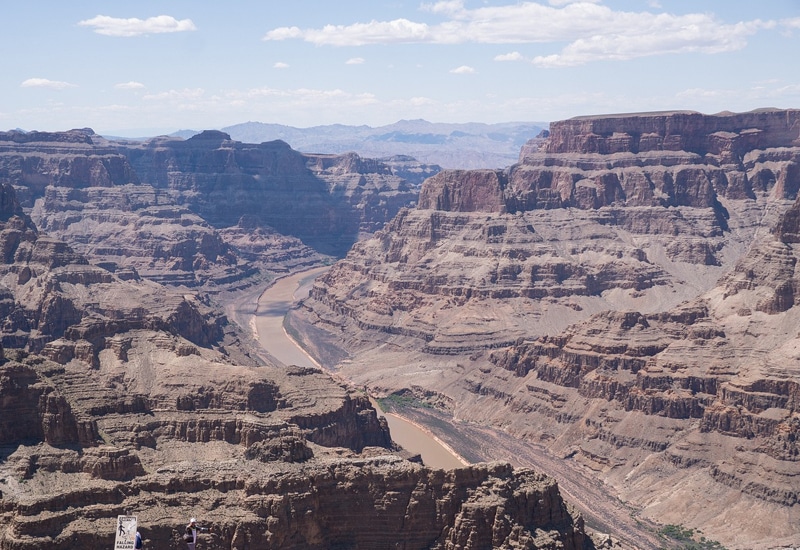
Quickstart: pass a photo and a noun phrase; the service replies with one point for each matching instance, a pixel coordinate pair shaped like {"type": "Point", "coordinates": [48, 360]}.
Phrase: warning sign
{"type": "Point", "coordinates": [126, 533]}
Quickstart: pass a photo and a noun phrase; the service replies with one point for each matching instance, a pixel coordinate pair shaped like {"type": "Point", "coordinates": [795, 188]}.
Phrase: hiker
{"type": "Point", "coordinates": [138, 543]}
{"type": "Point", "coordinates": [192, 530]}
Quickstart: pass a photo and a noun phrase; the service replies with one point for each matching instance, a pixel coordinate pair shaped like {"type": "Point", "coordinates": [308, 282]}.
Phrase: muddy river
{"type": "Point", "coordinates": [267, 325]}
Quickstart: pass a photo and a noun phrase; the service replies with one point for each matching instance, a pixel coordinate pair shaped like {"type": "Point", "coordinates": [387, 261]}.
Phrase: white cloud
{"type": "Point", "coordinates": [592, 31]}
{"type": "Point", "coordinates": [355, 61]}
{"type": "Point", "coordinates": [358, 34]}
{"type": "Point", "coordinates": [45, 83]}
{"type": "Point", "coordinates": [687, 34]}
{"type": "Point", "coordinates": [793, 23]}
{"type": "Point", "coordinates": [449, 7]}
{"type": "Point", "coordinates": [132, 85]}
{"type": "Point", "coordinates": [115, 26]}
{"type": "Point", "coordinates": [463, 69]}
{"type": "Point", "coordinates": [280, 65]}
{"type": "Point", "coordinates": [513, 56]}
{"type": "Point", "coordinates": [284, 33]}
{"type": "Point", "coordinates": [565, 2]}
{"type": "Point", "coordinates": [420, 101]}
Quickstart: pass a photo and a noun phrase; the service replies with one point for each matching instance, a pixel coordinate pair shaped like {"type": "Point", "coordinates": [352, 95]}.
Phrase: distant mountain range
{"type": "Point", "coordinates": [467, 145]}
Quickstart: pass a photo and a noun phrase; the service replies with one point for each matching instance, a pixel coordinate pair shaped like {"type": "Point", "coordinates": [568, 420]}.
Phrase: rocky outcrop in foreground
{"type": "Point", "coordinates": [623, 296]}
{"type": "Point", "coordinates": [376, 502]}
{"type": "Point", "coordinates": [271, 458]}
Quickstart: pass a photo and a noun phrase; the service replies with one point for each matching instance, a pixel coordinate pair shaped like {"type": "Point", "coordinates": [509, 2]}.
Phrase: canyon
{"type": "Point", "coordinates": [126, 390]}
{"type": "Point", "coordinates": [621, 299]}
{"type": "Point", "coordinates": [606, 328]}
{"type": "Point", "coordinates": [207, 211]}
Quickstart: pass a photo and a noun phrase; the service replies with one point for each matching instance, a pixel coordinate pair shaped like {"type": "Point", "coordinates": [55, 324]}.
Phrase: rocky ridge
{"type": "Point", "coordinates": [320, 199]}
{"type": "Point", "coordinates": [623, 296]}
{"type": "Point", "coordinates": [347, 501]}
{"type": "Point", "coordinates": [175, 210]}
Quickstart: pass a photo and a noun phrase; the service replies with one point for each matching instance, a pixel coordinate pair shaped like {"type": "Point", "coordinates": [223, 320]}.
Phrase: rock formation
{"type": "Point", "coordinates": [369, 502]}
{"type": "Point", "coordinates": [370, 187]}
{"type": "Point", "coordinates": [623, 296]}
{"type": "Point", "coordinates": [321, 199]}
{"type": "Point", "coordinates": [175, 210]}
{"type": "Point", "coordinates": [120, 395]}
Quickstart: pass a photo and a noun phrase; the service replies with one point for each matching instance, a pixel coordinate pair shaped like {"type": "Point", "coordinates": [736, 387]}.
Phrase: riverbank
{"type": "Point", "coordinates": [272, 304]}
{"type": "Point", "coordinates": [265, 321]}
{"type": "Point", "coordinates": [437, 454]}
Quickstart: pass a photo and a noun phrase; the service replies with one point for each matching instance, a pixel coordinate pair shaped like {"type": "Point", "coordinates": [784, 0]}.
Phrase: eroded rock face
{"type": "Point", "coordinates": [263, 248]}
{"type": "Point", "coordinates": [355, 502]}
{"type": "Point", "coordinates": [169, 209]}
{"type": "Point", "coordinates": [624, 296]}
{"type": "Point", "coordinates": [324, 200]}
{"type": "Point", "coordinates": [728, 136]}
{"type": "Point", "coordinates": [56, 303]}
{"type": "Point", "coordinates": [372, 188]}
{"type": "Point", "coordinates": [432, 274]}
{"type": "Point", "coordinates": [137, 227]}
{"type": "Point", "coordinates": [222, 181]}
{"type": "Point", "coordinates": [120, 394]}
{"type": "Point", "coordinates": [465, 191]}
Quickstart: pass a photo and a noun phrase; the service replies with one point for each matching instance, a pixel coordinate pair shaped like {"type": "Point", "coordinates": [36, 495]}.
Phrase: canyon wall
{"type": "Point", "coordinates": [120, 395]}
{"type": "Point", "coordinates": [207, 211]}
{"type": "Point", "coordinates": [624, 297]}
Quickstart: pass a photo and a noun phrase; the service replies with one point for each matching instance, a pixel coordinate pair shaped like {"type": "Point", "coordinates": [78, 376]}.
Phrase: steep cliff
{"type": "Point", "coordinates": [324, 200]}
{"type": "Point", "coordinates": [371, 188]}
{"type": "Point", "coordinates": [373, 502]}
{"type": "Point", "coordinates": [175, 210]}
{"type": "Point", "coordinates": [619, 297]}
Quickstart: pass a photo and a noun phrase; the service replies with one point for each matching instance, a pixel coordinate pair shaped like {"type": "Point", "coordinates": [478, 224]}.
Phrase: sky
{"type": "Point", "coordinates": [151, 67]}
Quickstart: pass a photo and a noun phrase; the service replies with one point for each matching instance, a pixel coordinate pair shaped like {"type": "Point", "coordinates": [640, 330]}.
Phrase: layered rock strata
{"type": "Point", "coordinates": [321, 199]}
{"type": "Point", "coordinates": [271, 458]}
{"type": "Point", "coordinates": [623, 296]}
{"type": "Point", "coordinates": [119, 395]}
{"type": "Point", "coordinates": [372, 188]}
{"type": "Point", "coordinates": [56, 303]}
{"type": "Point", "coordinates": [140, 228]}
{"type": "Point", "coordinates": [175, 210]}
{"type": "Point", "coordinates": [376, 502]}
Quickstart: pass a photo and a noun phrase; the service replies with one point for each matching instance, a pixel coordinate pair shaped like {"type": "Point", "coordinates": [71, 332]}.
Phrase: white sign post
{"type": "Point", "coordinates": [126, 533]}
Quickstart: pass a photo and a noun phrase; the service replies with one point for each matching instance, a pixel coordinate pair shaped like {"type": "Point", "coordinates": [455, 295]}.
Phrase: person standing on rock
{"type": "Point", "coordinates": [192, 530]}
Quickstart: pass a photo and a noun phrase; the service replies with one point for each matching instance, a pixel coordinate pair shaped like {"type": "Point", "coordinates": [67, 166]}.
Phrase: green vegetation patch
{"type": "Point", "coordinates": [682, 538]}
{"type": "Point", "coordinates": [402, 400]}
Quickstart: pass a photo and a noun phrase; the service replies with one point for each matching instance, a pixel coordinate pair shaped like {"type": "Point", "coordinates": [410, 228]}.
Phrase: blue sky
{"type": "Point", "coordinates": [148, 67]}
